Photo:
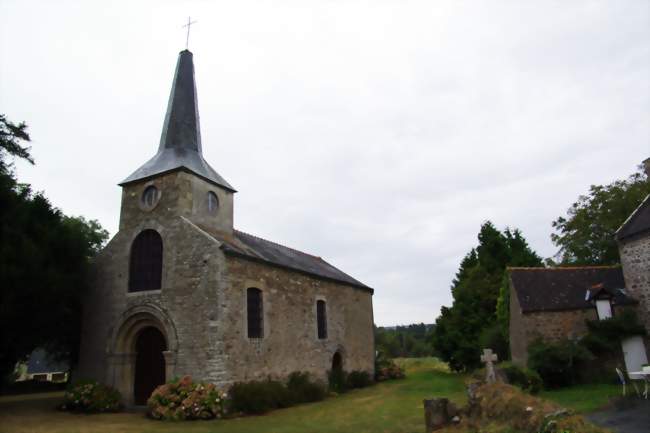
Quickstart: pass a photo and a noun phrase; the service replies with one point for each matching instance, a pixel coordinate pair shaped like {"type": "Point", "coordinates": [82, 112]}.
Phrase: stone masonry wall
{"type": "Point", "coordinates": [201, 307]}
{"type": "Point", "coordinates": [552, 326]}
{"type": "Point", "coordinates": [635, 259]}
{"type": "Point", "coordinates": [518, 342]}
{"type": "Point", "coordinates": [192, 279]}
{"type": "Point", "coordinates": [290, 340]}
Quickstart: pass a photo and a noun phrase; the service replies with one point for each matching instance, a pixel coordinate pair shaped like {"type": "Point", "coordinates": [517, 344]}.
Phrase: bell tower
{"type": "Point", "coordinates": [178, 181]}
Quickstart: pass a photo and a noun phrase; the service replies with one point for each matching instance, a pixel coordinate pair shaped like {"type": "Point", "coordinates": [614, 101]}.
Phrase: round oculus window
{"type": "Point", "coordinates": [150, 197]}
{"type": "Point", "coordinates": [213, 202]}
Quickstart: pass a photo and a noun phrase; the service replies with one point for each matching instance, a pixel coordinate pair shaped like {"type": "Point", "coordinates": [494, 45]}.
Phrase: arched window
{"type": "Point", "coordinates": [321, 319]}
{"type": "Point", "coordinates": [213, 202]}
{"type": "Point", "coordinates": [255, 313]}
{"type": "Point", "coordinates": [145, 271]}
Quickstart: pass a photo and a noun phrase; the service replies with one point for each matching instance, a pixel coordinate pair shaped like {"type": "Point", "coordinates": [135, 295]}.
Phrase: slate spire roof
{"type": "Point", "coordinates": [180, 141]}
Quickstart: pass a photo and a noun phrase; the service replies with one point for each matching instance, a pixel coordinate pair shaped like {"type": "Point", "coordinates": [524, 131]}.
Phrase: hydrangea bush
{"type": "Point", "coordinates": [183, 399]}
{"type": "Point", "coordinates": [386, 369]}
{"type": "Point", "coordinates": [91, 397]}
{"type": "Point", "coordinates": [392, 371]}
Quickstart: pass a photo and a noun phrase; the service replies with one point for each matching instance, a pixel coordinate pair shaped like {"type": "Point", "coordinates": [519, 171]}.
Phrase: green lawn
{"type": "Point", "coordinates": [583, 398]}
{"type": "Point", "coordinates": [390, 407]}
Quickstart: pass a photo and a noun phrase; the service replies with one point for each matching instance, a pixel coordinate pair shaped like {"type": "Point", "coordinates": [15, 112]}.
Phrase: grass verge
{"type": "Point", "coordinates": [388, 407]}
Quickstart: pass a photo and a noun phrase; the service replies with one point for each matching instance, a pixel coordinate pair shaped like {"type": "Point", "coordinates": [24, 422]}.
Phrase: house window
{"type": "Point", "coordinates": [145, 270]}
{"type": "Point", "coordinates": [255, 313]}
{"type": "Point", "coordinates": [321, 319]}
{"type": "Point", "coordinates": [604, 308]}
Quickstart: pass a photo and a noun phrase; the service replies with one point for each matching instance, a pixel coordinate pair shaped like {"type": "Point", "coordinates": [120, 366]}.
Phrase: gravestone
{"type": "Point", "coordinates": [439, 412]}
{"type": "Point", "coordinates": [488, 358]}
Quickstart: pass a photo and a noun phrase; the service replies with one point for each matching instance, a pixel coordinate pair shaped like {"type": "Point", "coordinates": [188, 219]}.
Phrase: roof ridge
{"type": "Point", "coordinates": [560, 268]}
{"type": "Point", "coordinates": [280, 245]}
{"type": "Point", "coordinates": [631, 217]}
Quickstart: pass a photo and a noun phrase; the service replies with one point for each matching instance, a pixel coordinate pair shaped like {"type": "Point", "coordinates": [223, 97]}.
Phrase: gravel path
{"type": "Point", "coordinates": [631, 415]}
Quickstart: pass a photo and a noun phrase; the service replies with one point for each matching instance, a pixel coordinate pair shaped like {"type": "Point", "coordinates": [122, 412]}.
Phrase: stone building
{"type": "Point", "coordinates": [555, 303]}
{"type": "Point", "coordinates": [633, 239]}
{"type": "Point", "coordinates": [178, 290]}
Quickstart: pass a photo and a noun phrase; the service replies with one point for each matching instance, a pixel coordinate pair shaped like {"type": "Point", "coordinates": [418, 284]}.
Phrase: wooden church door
{"type": "Point", "coordinates": [149, 364]}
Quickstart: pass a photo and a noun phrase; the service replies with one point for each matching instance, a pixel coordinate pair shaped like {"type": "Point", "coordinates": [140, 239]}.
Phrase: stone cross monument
{"type": "Point", "coordinates": [488, 358]}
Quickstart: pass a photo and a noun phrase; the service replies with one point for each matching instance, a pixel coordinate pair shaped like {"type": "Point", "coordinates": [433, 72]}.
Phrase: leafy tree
{"type": "Point", "coordinates": [586, 235]}
{"type": "Point", "coordinates": [11, 135]}
{"type": "Point", "coordinates": [471, 320]}
{"type": "Point", "coordinates": [44, 261]}
{"type": "Point", "coordinates": [412, 341]}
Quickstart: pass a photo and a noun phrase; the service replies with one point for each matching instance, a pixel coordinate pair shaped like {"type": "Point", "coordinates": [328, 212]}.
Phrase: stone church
{"type": "Point", "coordinates": [178, 290]}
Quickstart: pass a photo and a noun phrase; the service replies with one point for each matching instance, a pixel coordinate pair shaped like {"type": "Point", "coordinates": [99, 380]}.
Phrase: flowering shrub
{"type": "Point", "coordinates": [386, 369]}
{"type": "Point", "coordinates": [185, 400]}
{"type": "Point", "coordinates": [90, 396]}
{"type": "Point", "coordinates": [392, 371]}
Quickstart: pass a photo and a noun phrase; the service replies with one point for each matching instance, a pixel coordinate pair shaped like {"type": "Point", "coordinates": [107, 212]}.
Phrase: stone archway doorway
{"type": "Point", "coordinates": [150, 346]}
{"type": "Point", "coordinates": [337, 362]}
{"type": "Point", "coordinates": [143, 353]}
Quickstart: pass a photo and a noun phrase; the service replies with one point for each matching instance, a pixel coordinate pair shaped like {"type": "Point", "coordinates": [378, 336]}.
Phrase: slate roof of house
{"type": "Point", "coordinates": [566, 288]}
{"type": "Point", "coordinates": [40, 362]}
{"type": "Point", "coordinates": [180, 141]}
{"type": "Point", "coordinates": [638, 222]}
{"type": "Point", "coordinates": [261, 250]}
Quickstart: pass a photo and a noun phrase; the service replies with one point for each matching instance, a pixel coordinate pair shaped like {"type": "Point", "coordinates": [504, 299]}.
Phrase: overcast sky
{"type": "Point", "coordinates": [378, 135]}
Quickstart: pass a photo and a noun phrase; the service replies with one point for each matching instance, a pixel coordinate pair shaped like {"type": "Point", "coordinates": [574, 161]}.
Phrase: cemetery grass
{"type": "Point", "coordinates": [388, 407]}
{"type": "Point", "coordinates": [584, 398]}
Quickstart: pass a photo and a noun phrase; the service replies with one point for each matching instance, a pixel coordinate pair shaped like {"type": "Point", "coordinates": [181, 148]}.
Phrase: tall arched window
{"type": "Point", "coordinates": [321, 319]}
{"type": "Point", "coordinates": [255, 313]}
{"type": "Point", "coordinates": [145, 270]}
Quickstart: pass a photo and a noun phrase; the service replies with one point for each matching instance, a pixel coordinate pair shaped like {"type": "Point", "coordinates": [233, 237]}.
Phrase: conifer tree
{"type": "Point", "coordinates": [471, 321]}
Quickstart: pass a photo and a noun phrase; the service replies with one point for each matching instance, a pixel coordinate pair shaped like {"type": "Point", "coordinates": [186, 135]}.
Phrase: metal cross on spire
{"type": "Point", "coordinates": [187, 39]}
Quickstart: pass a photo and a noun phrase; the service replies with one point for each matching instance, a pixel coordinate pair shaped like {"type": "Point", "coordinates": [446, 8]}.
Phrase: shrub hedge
{"type": "Point", "coordinates": [303, 390]}
{"type": "Point", "coordinates": [258, 397]}
{"type": "Point", "coordinates": [558, 364]}
{"type": "Point", "coordinates": [359, 379]}
{"type": "Point", "coordinates": [525, 378]}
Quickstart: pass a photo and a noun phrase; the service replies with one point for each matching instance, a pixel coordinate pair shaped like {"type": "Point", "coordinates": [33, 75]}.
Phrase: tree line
{"type": "Point", "coordinates": [44, 262]}
{"type": "Point", "coordinates": [410, 341]}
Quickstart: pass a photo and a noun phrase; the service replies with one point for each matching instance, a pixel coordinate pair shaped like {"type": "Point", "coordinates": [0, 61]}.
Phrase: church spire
{"type": "Point", "coordinates": [181, 128]}
{"type": "Point", "coordinates": [180, 141]}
